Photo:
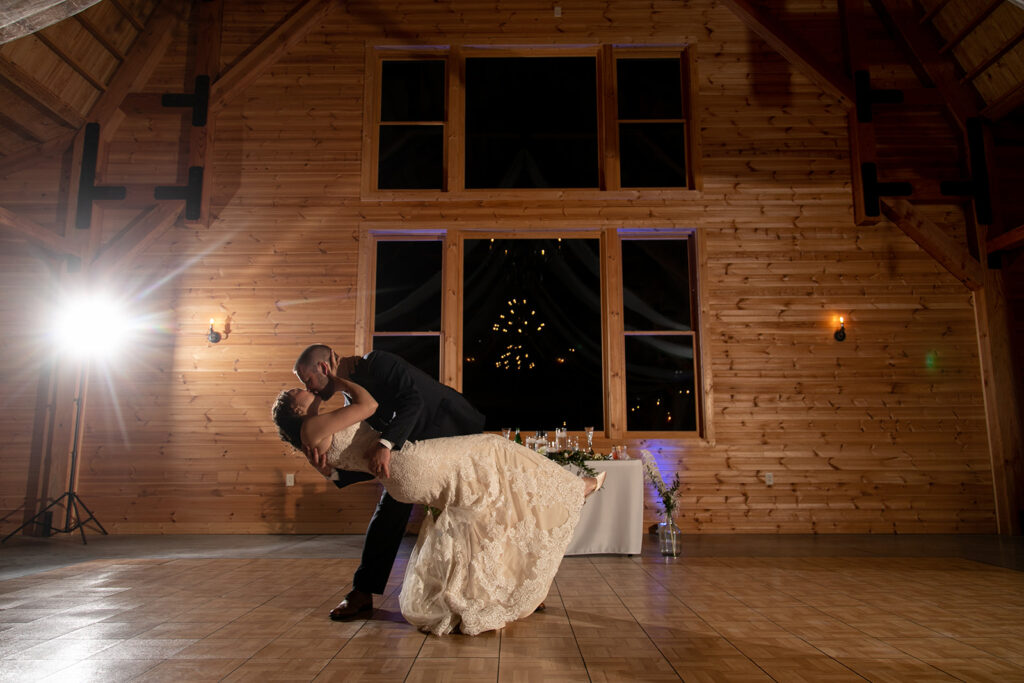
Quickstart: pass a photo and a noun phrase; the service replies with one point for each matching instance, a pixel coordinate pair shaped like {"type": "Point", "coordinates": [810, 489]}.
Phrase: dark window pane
{"type": "Point", "coordinates": [408, 287]}
{"type": "Point", "coordinates": [531, 122]}
{"type": "Point", "coordinates": [660, 389]}
{"type": "Point", "coordinates": [652, 154]}
{"type": "Point", "coordinates": [422, 352]}
{"type": "Point", "coordinates": [656, 285]}
{"type": "Point", "coordinates": [411, 158]}
{"type": "Point", "coordinates": [649, 89]}
{"type": "Point", "coordinates": [412, 91]}
{"type": "Point", "coordinates": [532, 332]}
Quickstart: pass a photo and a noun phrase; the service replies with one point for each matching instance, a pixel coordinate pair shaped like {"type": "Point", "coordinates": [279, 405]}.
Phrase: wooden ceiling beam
{"type": "Point", "coordinates": [1014, 239]}
{"type": "Point", "coordinates": [31, 156]}
{"type": "Point", "coordinates": [120, 250]}
{"type": "Point", "coordinates": [1006, 103]}
{"type": "Point", "coordinates": [961, 100]}
{"type": "Point", "coordinates": [261, 56]}
{"type": "Point", "coordinates": [970, 26]}
{"type": "Point", "coordinates": [16, 127]}
{"type": "Point", "coordinates": [93, 30]}
{"type": "Point", "coordinates": [142, 58]}
{"type": "Point", "coordinates": [208, 18]}
{"type": "Point", "coordinates": [794, 49]}
{"type": "Point", "coordinates": [132, 19]}
{"type": "Point", "coordinates": [930, 237]}
{"type": "Point", "coordinates": [930, 14]}
{"type": "Point", "coordinates": [68, 59]}
{"type": "Point", "coordinates": [36, 234]}
{"type": "Point", "coordinates": [994, 57]}
{"type": "Point", "coordinates": [863, 147]}
{"type": "Point", "coordinates": [36, 92]}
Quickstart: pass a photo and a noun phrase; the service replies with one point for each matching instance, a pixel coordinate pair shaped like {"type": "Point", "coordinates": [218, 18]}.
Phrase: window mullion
{"type": "Point", "coordinates": [613, 342]}
{"type": "Point", "coordinates": [608, 140]}
{"type": "Point", "coordinates": [455, 118]}
{"type": "Point", "coordinates": [451, 311]}
{"type": "Point", "coordinates": [365, 285]}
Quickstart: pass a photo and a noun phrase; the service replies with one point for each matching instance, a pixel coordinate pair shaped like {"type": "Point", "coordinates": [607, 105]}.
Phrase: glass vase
{"type": "Point", "coordinates": [670, 538]}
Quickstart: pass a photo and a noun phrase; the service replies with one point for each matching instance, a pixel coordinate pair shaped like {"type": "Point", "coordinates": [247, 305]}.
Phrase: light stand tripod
{"type": "Point", "coordinates": [73, 501]}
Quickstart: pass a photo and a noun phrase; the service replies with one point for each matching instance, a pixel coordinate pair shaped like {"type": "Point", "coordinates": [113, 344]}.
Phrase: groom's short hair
{"type": "Point", "coordinates": [312, 355]}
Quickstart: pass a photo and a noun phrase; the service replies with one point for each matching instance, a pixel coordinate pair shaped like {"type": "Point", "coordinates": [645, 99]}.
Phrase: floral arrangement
{"type": "Point", "coordinates": [665, 492]}
{"type": "Point", "coordinates": [576, 458]}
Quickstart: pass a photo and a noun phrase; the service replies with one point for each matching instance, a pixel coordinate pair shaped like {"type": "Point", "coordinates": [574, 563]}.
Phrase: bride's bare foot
{"type": "Point", "coordinates": [592, 484]}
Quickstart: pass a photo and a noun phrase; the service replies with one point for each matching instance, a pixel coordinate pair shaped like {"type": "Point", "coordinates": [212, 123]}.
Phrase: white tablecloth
{"type": "Point", "coordinates": [612, 521]}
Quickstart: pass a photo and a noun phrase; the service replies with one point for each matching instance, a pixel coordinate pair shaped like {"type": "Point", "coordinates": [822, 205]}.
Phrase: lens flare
{"type": "Point", "coordinates": [92, 326]}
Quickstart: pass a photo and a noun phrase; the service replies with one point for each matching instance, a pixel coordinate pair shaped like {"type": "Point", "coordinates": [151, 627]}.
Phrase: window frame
{"type": "Point", "coordinates": [694, 332]}
{"type": "Point", "coordinates": [453, 182]}
{"type": "Point", "coordinates": [613, 332]}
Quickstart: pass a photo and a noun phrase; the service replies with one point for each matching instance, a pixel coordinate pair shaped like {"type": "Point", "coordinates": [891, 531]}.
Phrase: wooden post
{"type": "Point", "coordinates": [451, 311]}
{"type": "Point", "coordinates": [208, 18]}
{"type": "Point", "coordinates": [1003, 406]}
{"type": "Point", "coordinates": [613, 334]}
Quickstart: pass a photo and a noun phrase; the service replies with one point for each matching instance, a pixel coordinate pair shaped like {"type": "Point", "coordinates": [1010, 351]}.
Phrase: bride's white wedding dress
{"type": "Point", "coordinates": [506, 515]}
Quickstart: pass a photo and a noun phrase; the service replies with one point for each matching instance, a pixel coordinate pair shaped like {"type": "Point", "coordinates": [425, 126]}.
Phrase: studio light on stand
{"type": "Point", "coordinates": [87, 329]}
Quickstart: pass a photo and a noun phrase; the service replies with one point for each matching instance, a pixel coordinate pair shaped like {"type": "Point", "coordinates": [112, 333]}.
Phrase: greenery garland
{"type": "Point", "coordinates": [575, 458]}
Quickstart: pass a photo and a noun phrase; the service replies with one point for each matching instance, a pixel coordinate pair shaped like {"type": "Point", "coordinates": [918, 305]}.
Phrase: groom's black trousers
{"type": "Point", "coordinates": [383, 537]}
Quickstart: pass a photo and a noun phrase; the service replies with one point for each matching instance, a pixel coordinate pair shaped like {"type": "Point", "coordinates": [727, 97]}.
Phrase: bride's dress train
{"type": "Point", "coordinates": [501, 519]}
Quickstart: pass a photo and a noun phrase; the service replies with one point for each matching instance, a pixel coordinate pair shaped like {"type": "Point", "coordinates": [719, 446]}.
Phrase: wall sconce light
{"type": "Point", "coordinates": [213, 336]}
{"type": "Point", "coordinates": [840, 334]}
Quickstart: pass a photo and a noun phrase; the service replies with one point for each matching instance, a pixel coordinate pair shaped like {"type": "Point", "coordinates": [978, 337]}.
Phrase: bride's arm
{"type": "Point", "coordinates": [318, 429]}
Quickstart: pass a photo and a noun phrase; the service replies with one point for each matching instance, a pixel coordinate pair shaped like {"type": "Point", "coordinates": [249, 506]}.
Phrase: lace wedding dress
{"type": "Point", "coordinates": [506, 515]}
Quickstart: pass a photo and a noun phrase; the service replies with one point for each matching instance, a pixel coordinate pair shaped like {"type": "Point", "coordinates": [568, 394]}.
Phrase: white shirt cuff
{"type": "Point", "coordinates": [386, 444]}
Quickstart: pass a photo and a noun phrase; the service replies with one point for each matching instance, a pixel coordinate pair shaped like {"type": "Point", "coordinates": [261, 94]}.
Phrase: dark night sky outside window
{"type": "Point", "coordinates": [408, 300]}
{"type": "Point", "coordinates": [412, 115]}
{"type": "Point", "coordinates": [531, 122]}
{"type": "Point", "coordinates": [652, 132]}
{"type": "Point", "coordinates": [660, 370]}
{"type": "Point", "coordinates": [549, 294]}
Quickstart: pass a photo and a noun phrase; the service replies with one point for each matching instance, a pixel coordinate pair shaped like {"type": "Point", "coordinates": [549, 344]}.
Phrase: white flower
{"type": "Point", "coordinates": [652, 471]}
{"type": "Point", "coordinates": [666, 493]}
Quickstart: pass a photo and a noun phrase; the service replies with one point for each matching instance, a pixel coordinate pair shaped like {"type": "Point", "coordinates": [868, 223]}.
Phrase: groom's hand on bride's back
{"type": "Point", "coordinates": [318, 460]}
{"type": "Point", "coordinates": [379, 459]}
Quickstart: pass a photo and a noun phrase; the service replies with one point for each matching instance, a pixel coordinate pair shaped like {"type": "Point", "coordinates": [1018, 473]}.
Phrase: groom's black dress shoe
{"type": "Point", "coordinates": [356, 605]}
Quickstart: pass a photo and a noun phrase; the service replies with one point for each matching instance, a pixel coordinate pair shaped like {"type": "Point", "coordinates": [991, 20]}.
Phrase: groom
{"type": "Point", "coordinates": [411, 406]}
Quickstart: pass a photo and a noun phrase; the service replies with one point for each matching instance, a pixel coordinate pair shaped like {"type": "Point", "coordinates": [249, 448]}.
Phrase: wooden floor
{"type": "Point", "coordinates": [608, 619]}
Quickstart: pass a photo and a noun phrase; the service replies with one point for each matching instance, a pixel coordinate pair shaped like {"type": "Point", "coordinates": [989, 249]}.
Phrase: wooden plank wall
{"type": "Point", "coordinates": [882, 433]}
{"type": "Point", "coordinates": [24, 376]}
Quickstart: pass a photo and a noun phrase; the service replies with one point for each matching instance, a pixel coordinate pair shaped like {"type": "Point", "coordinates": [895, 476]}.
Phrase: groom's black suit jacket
{"type": "Point", "coordinates": [411, 405]}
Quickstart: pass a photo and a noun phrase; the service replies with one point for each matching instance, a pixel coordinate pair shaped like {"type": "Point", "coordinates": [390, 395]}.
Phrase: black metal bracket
{"type": "Point", "coordinates": [977, 186]}
{"type": "Point", "coordinates": [198, 101]}
{"type": "Point", "coordinates": [868, 96]}
{"type": "Point", "coordinates": [874, 190]}
{"type": "Point", "coordinates": [88, 191]}
{"type": "Point", "coordinates": [191, 193]}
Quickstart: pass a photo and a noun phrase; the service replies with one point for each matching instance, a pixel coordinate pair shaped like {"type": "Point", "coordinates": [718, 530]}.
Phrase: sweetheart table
{"type": "Point", "coordinates": [612, 521]}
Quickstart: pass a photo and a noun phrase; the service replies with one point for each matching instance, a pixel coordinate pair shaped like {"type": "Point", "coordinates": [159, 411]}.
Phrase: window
{"type": "Point", "coordinates": [410, 155]}
{"type": "Point", "coordinates": [660, 345]}
{"type": "Point", "coordinates": [652, 124]}
{"type": "Point", "coordinates": [595, 328]}
{"type": "Point", "coordinates": [531, 122]}
{"type": "Point", "coordinates": [407, 302]}
{"type": "Point", "coordinates": [471, 119]}
{"type": "Point", "coordinates": [531, 331]}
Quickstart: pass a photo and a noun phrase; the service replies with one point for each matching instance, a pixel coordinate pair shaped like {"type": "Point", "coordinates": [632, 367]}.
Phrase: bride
{"type": "Point", "coordinates": [499, 515]}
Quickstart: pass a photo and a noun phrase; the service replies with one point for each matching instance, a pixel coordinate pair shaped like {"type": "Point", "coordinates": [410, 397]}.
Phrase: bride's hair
{"type": "Point", "coordinates": [289, 423]}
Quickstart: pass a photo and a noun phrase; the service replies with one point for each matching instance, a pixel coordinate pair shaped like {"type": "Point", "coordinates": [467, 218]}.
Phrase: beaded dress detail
{"type": "Point", "coordinates": [505, 517]}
